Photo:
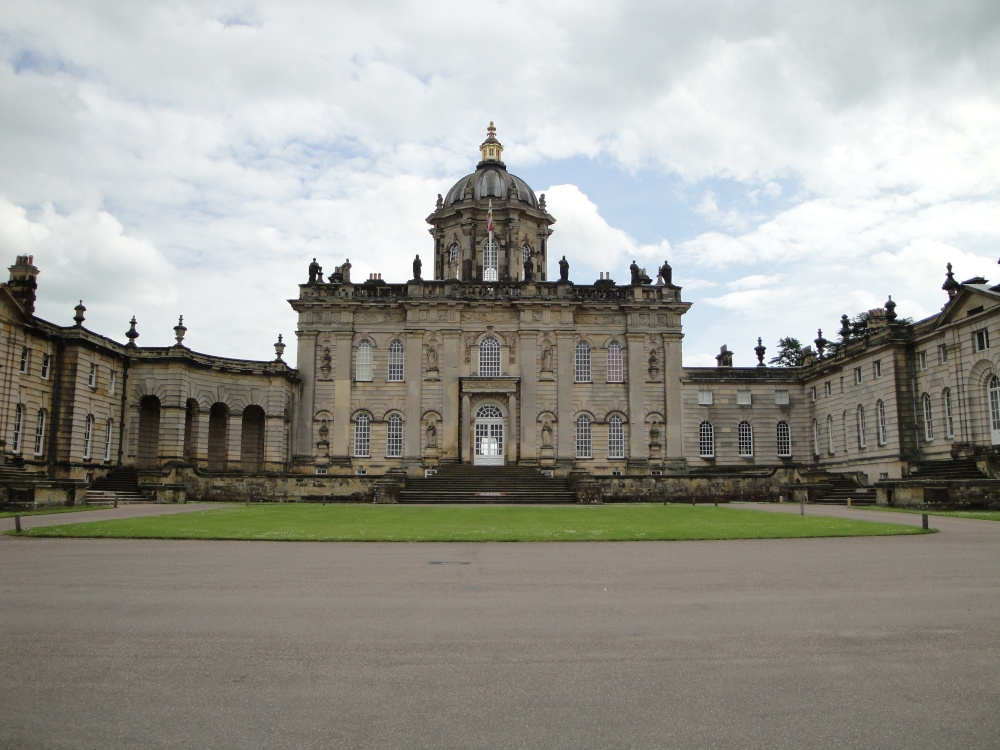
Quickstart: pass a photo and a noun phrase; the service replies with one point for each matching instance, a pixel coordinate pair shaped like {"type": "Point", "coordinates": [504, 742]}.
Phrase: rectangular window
{"type": "Point", "coordinates": [112, 377]}
{"type": "Point", "coordinates": [781, 397]}
{"type": "Point", "coordinates": [394, 437]}
{"type": "Point", "coordinates": [107, 439]}
{"type": "Point", "coordinates": [40, 433]}
{"type": "Point", "coordinates": [922, 360]}
{"type": "Point", "coordinates": [395, 362]}
{"type": "Point", "coordinates": [582, 363]}
{"type": "Point", "coordinates": [616, 367]}
{"type": "Point", "coordinates": [583, 438]}
{"type": "Point", "coordinates": [943, 353]}
{"type": "Point", "coordinates": [827, 388]}
{"type": "Point", "coordinates": [704, 397]}
{"type": "Point", "coordinates": [981, 339]}
{"type": "Point", "coordinates": [743, 398]}
{"type": "Point", "coordinates": [857, 375]}
{"type": "Point", "coordinates": [877, 368]}
{"type": "Point", "coordinates": [362, 437]}
{"type": "Point", "coordinates": [812, 393]}
{"type": "Point", "coordinates": [363, 369]}
{"type": "Point", "coordinates": [616, 438]}
{"type": "Point", "coordinates": [46, 365]}
{"type": "Point", "coordinates": [92, 377]}
{"type": "Point", "coordinates": [25, 358]}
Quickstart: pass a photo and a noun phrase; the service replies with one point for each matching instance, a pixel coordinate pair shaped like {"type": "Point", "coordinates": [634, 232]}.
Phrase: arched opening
{"type": "Point", "coordinates": [149, 431]}
{"type": "Point", "coordinates": [192, 416]}
{"type": "Point", "coordinates": [218, 437]}
{"type": "Point", "coordinates": [489, 436]}
{"type": "Point", "coordinates": [489, 358]}
{"type": "Point", "coordinates": [252, 439]}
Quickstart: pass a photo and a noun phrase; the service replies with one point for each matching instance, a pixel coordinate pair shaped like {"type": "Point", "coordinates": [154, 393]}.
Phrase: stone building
{"type": "Point", "coordinates": [490, 362]}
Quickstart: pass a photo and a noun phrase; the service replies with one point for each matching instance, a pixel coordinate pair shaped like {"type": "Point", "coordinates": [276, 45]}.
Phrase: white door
{"type": "Point", "coordinates": [994, 395]}
{"type": "Point", "coordinates": [489, 436]}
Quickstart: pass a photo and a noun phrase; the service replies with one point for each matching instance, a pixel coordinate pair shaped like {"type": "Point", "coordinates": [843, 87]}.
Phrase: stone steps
{"type": "Point", "coordinates": [843, 489]}
{"type": "Point", "coordinates": [492, 484]}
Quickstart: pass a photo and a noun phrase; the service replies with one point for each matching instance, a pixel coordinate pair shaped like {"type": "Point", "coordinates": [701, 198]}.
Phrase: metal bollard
{"type": "Point", "coordinates": [925, 522]}
{"type": "Point", "coordinates": [17, 524]}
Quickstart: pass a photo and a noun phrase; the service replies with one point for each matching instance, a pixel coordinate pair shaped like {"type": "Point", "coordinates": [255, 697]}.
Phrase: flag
{"type": "Point", "coordinates": [489, 218]}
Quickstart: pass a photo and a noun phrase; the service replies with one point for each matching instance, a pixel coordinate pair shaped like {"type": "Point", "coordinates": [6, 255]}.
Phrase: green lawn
{"type": "Point", "coordinates": [980, 515]}
{"type": "Point", "coordinates": [47, 511]}
{"type": "Point", "coordinates": [400, 523]}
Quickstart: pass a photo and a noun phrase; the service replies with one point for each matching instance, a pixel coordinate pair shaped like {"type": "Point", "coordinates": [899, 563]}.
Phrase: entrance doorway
{"type": "Point", "coordinates": [489, 431]}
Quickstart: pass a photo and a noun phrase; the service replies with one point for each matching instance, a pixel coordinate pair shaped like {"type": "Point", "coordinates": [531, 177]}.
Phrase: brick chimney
{"type": "Point", "coordinates": [22, 282]}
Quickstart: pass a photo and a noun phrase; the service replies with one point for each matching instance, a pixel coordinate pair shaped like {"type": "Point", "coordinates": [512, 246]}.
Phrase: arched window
{"type": "Point", "coordinates": [616, 368]}
{"type": "Point", "coordinates": [491, 267]}
{"type": "Point", "coordinates": [363, 365]}
{"type": "Point", "coordinates": [394, 437]}
{"type": "Point", "coordinates": [18, 429]}
{"type": "Point", "coordinates": [396, 361]}
{"type": "Point", "coordinates": [218, 437]}
{"type": "Point", "coordinates": [88, 434]}
{"type": "Point", "coordinates": [880, 422]}
{"type": "Point", "coordinates": [40, 433]}
{"type": "Point", "coordinates": [108, 432]}
{"type": "Point", "coordinates": [252, 439]}
{"type": "Point", "coordinates": [949, 422]}
{"type": "Point", "coordinates": [453, 260]}
{"type": "Point", "coordinates": [489, 358]}
{"type": "Point", "coordinates": [362, 436]}
{"type": "Point", "coordinates": [706, 440]}
{"type": "Point", "coordinates": [616, 437]}
{"type": "Point", "coordinates": [584, 444]}
{"type": "Point", "coordinates": [582, 362]}
{"type": "Point", "coordinates": [745, 439]}
{"type": "Point", "coordinates": [862, 428]}
{"type": "Point", "coordinates": [784, 435]}
{"type": "Point", "coordinates": [525, 257]}
{"type": "Point", "coordinates": [928, 417]}
{"type": "Point", "coordinates": [816, 437]}
{"type": "Point", "coordinates": [829, 434]}
{"type": "Point", "coordinates": [994, 394]}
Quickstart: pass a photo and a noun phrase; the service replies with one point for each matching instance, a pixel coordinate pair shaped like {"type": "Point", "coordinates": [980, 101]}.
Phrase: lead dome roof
{"type": "Point", "coordinates": [491, 178]}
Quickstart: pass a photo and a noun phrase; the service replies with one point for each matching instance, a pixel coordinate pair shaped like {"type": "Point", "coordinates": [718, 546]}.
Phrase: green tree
{"type": "Point", "coordinates": [789, 353]}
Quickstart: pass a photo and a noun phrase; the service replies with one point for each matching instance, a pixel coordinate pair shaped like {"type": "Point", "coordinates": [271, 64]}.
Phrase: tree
{"type": "Point", "coordinates": [789, 353]}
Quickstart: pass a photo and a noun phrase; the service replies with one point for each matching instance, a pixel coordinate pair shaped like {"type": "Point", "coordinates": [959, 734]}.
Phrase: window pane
{"type": "Point", "coordinates": [395, 362]}
{"type": "Point", "coordinates": [616, 368]}
{"type": "Point", "coordinates": [616, 437]}
{"type": "Point", "coordinates": [583, 441]}
{"type": "Point", "coordinates": [364, 363]}
{"type": "Point", "coordinates": [489, 358]}
{"type": "Point", "coordinates": [706, 440]}
{"type": "Point", "coordinates": [394, 437]}
{"type": "Point", "coordinates": [582, 362]}
{"type": "Point", "coordinates": [784, 439]}
{"type": "Point", "coordinates": [745, 439]}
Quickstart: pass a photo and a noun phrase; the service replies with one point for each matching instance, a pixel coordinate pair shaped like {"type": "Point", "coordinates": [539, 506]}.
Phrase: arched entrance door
{"type": "Point", "coordinates": [489, 444]}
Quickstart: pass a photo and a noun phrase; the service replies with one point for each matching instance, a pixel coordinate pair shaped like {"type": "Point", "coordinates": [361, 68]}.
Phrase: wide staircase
{"type": "Point", "coordinates": [962, 468]}
{"type": "Point", "coordinates": [120, 485]}
{"type": "Point", "coordinates": [843, 488]}
{"type": "Point", "coordinates": [487, 484]}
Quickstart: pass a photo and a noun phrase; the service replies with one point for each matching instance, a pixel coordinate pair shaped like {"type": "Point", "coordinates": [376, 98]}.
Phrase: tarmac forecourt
{"type": "Point", "coordinates": [486, 523]}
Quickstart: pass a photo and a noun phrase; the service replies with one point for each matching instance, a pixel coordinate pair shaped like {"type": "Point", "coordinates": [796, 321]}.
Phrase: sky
{"type": "Point", "coordinates": [794, 161]}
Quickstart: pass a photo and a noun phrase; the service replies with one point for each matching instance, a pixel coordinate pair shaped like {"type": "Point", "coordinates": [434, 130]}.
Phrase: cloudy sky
{"type": "Point", "coordinates": [794, 161]}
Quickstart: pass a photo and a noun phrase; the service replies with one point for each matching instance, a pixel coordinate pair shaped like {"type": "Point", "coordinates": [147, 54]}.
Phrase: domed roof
{"type": "Point", "coordinates": [491, 178]}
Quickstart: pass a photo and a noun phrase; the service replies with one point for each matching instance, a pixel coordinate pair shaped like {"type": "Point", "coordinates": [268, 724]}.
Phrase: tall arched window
{"type": "Point", "coordinates": [928, 417]}
{"type": "Point", "coordinates": [784, 436]}
{"type": "Point", "coordinates": [815, 437]}
{"type": "Point", "coordinates": [745, 439]}
{"type": "Point", "coordinates": [18, 429]}
{"type": "Point", "coordinates": [363, 364]}
{"type": "Point", "coordinates": [584, 443]}
{"type": "Point", "coordinates": [829, 434]}
{"type": "Point", "coordinates": [108, 432]}
{"type": "Point", "coordinates": [40, 433]}
{"type": "Point", "coordinates": [453, 260]}
{"type": "Point", "coordinates": [949, 422]}
{"type": "Point", "coordinates": [582, 362]}
{"type": "Point", "coordinates": [394, 437]}
{"type": "Point", "coordinates": [396, 361]}
{"type": "Point", "coordinates": [362, 436]}
{"type": "Point", "coordinates": [489, 358]}
{"type": "Point", "coordinates": [862, 427]}
{"type": "Point", "coordinates": [88, 435]}
{"type": "Point", "coordinates": [616, 437]}
{"type": "Point", "coordinates": [994, 394]}
{"type": "Point", "coordinates": [880, 422]}
{"type": "Point", "coordinates": [616, 368]}
{"type": "Point", "coordinates": [491, 263]}
{"type": "Point", "coordinates": [706, 440]}
{"type": "Point", "coordinates": [525, 256]}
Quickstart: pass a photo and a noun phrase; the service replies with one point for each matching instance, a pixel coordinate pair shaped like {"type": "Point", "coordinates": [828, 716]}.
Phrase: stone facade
{"type": "Point", "coordinates": [490, 361]}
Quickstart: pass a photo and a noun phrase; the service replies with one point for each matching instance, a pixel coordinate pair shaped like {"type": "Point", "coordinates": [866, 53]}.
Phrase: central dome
{"type": "Point", "coordinates": [491, 179]}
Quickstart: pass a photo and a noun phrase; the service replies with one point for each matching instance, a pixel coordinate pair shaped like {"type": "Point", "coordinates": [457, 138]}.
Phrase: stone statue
{"type": "Point", "coordinates": [315, 272]}
{"type": "Point", "coordinates": [529, 269]}
{"type": "Point", "coordinates": [417, 265]}
{"type": "Point", "coordinates": [547, 359]}
{"type": "Point", "coordinates": [546, 435]}
{"type": "Point", "coordinates": [634, 269]}
{"type": "Point", "coordinates": [432, 435]}
{"type": "Point", "coordinates": [432, 357]}
{"type": "Point", "coordinates": [345, 271]}
{"type": "Point", "coordinates": [667, 273]}
{"type": "Point", "coordinates": [564, 269]}
{"type": "Point", "coordinates": [440, 201]}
